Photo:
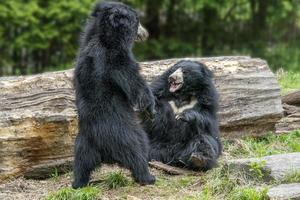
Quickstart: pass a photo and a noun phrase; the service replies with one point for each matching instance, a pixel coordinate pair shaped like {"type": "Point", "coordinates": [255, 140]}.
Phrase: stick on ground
{"type": "Point", "coordinates": [170, 169]}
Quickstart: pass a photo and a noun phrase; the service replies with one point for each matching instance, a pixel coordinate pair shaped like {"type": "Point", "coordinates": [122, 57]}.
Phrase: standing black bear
{"type": "Point", "coordinates": [108, 85]}
{"type": "Point", "coordinates": [185, 129]}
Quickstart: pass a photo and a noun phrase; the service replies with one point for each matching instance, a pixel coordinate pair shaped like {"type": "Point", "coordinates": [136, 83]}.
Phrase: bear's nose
{"type": "Point", "coordinates": [177, 76]}
{"type": "Point", "coordinates": [142, 34]}
{"type": "Point", "coordinates": [172, 79]}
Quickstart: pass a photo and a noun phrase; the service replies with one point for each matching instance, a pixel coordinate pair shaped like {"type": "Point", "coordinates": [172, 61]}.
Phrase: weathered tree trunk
{"type": "Point", "coordinates": [38, 121]}
{"type": "Point", "coordinates": [292, 98]}
{"type": "Point", "coordinates": [291, 119]}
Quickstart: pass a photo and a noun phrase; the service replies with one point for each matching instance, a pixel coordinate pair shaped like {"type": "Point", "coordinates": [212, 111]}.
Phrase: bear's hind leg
{"type": "Point", "coordinates": [138, 166]}
{"type": "Point", "coordinates": [206, 153]}
{"type": "Point", "coordinates": [86, 159]}
{"type": "Point", "coordinates": [133, 155]}
{"type": "Point", "coordinates": [201, 153]}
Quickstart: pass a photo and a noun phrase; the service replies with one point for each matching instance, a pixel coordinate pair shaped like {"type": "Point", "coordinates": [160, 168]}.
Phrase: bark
{"type": "Point", "coordinates": [291, 120]}
{"type": "Point", "coordinates": [292, 98]}
{"type": "Point", "coordinates": [38, 121]}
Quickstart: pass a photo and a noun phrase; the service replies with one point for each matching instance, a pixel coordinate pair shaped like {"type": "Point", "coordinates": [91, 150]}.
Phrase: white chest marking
{"type": "Point", "coordinates": [178, 110]}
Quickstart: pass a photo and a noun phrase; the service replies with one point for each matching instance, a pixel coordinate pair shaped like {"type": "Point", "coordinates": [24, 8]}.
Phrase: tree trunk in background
{"type": "Point", "coordinates": [208, 34]}
{"type": "Point", "coordinates": [152, 19]}
{"type": "Point", "coordinates": [259, 11]}
{"type": "Point", "coordinates": [259, 14]}
{"type": "Point", "coordinates": [171, 19]}
{"type": "Point", "coordinates": [38, 121]}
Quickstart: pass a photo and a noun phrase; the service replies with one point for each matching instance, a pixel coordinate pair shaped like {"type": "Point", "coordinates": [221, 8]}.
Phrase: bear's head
{"type": "Point", "coordinates": [116, 23]}
{"type": "Point", "coordinates": [188, 77]}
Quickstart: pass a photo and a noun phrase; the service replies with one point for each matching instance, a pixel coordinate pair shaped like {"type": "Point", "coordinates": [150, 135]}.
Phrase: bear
{"type": "Point", "coordinates": [108, 89]}
{"type": "Point", "coordinates": [185, 129]}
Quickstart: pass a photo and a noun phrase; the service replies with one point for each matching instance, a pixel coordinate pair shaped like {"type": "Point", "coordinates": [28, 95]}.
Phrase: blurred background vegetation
{"type": "Point", "coordinates": [39, 35]}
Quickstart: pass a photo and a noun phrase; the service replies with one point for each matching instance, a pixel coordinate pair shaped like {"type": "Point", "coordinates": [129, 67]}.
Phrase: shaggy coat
{"type": "Point", "coordinates": [108, 86]}
{"type": "Point", "coordinates": [189, 138]}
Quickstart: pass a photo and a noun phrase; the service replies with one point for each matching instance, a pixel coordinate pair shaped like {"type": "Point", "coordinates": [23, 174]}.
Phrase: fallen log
{"type": "Point", "coordinates": [290, 121]}
{"type": "Point", "coordinates": [289, 110]}
{"type": "Point", "coordinates": [292, 98]}
{"type": "Point", "coordinates": [38, 121]}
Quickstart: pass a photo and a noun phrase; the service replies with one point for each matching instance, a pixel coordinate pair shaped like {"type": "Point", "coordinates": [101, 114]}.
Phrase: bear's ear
{"type": "Point", "coordinates": [95, 13]}
{"type": "Point", "coordinates": [206, 72]}
{"type": "Point", "coordinates": [97, 9]}
{"type": "Point", "coordinates": [117, 20]}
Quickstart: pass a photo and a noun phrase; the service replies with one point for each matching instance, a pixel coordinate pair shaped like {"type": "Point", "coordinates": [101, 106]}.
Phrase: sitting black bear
{"type": "Point", "coordinates": [185, 130]}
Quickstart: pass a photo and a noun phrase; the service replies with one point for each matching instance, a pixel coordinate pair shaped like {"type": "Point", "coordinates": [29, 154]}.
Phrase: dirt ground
{"type": "Point", "coordinates": [167, 187]}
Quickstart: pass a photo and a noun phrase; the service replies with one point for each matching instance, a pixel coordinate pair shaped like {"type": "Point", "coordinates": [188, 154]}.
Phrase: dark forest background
{"type": "Point", "coordinates": [41, 35]}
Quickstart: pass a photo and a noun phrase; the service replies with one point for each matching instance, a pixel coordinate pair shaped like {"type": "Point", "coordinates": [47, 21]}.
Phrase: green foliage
{"type": "Point", "coordinates": [87, 193]}
{"type": "Point", "coordinates": [289, 81]}
{"type": "Point", "coordinates": [116, 179]}
{"type": "Point", "coordinates": [37, 35]}
{"type": "Point", "coordinates": [283, 55]}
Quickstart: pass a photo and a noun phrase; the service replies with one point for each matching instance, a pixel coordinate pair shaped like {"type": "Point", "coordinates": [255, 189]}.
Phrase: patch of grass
{"type": "Point", "coordinates": [164, 181]}
{"type": "Point", "coordinates": [86, 193]}
{"type": "Point", "coordinates": [230, 184]}
{"type": "Point", "coordinates": [292, 177]}
{"type": "Point", "coordinates": [288, 81]}
{"type": "Point", "coordinates": [182, 182]}
{"type": "Point", "coordinates": [54, 175]}
{"type": "Point", "coordinates": [186, 181]}
{"type": "Point", "coordinates": [248, 193]}
{"type": "Point", "coordinates": [219, 182]}
{"type": "Point", "coordinates": [116, 179]}
{"type": "Point", "coordinates": [206, 194]}
{"type": "Point", "coordinates": [263, 146]}
{"type": "Point", "coordinates": [196, 196]}
{"type": "Point", "coordinates": [256, 170]}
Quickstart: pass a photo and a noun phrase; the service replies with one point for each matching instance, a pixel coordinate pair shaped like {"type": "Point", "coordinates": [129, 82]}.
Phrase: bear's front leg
{"type": "Point", "coordinates": [189, 116]}
{"type": "Point", "coordinates": [146, 101]}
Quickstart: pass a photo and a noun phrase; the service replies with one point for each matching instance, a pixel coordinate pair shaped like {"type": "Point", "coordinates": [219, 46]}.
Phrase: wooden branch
{"type": "Point", "coordinates": [38, 121]}
{"type": "Point", "coordinates": [169, 169]}
{"type": "Point", "coordinates": [292, 98]}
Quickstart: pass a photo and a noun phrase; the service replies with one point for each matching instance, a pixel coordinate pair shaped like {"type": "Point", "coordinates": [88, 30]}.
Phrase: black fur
{"type": "Point", "coordinates": [108, 85]}
{"type": "Point", "coordinates": [195, 132]}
